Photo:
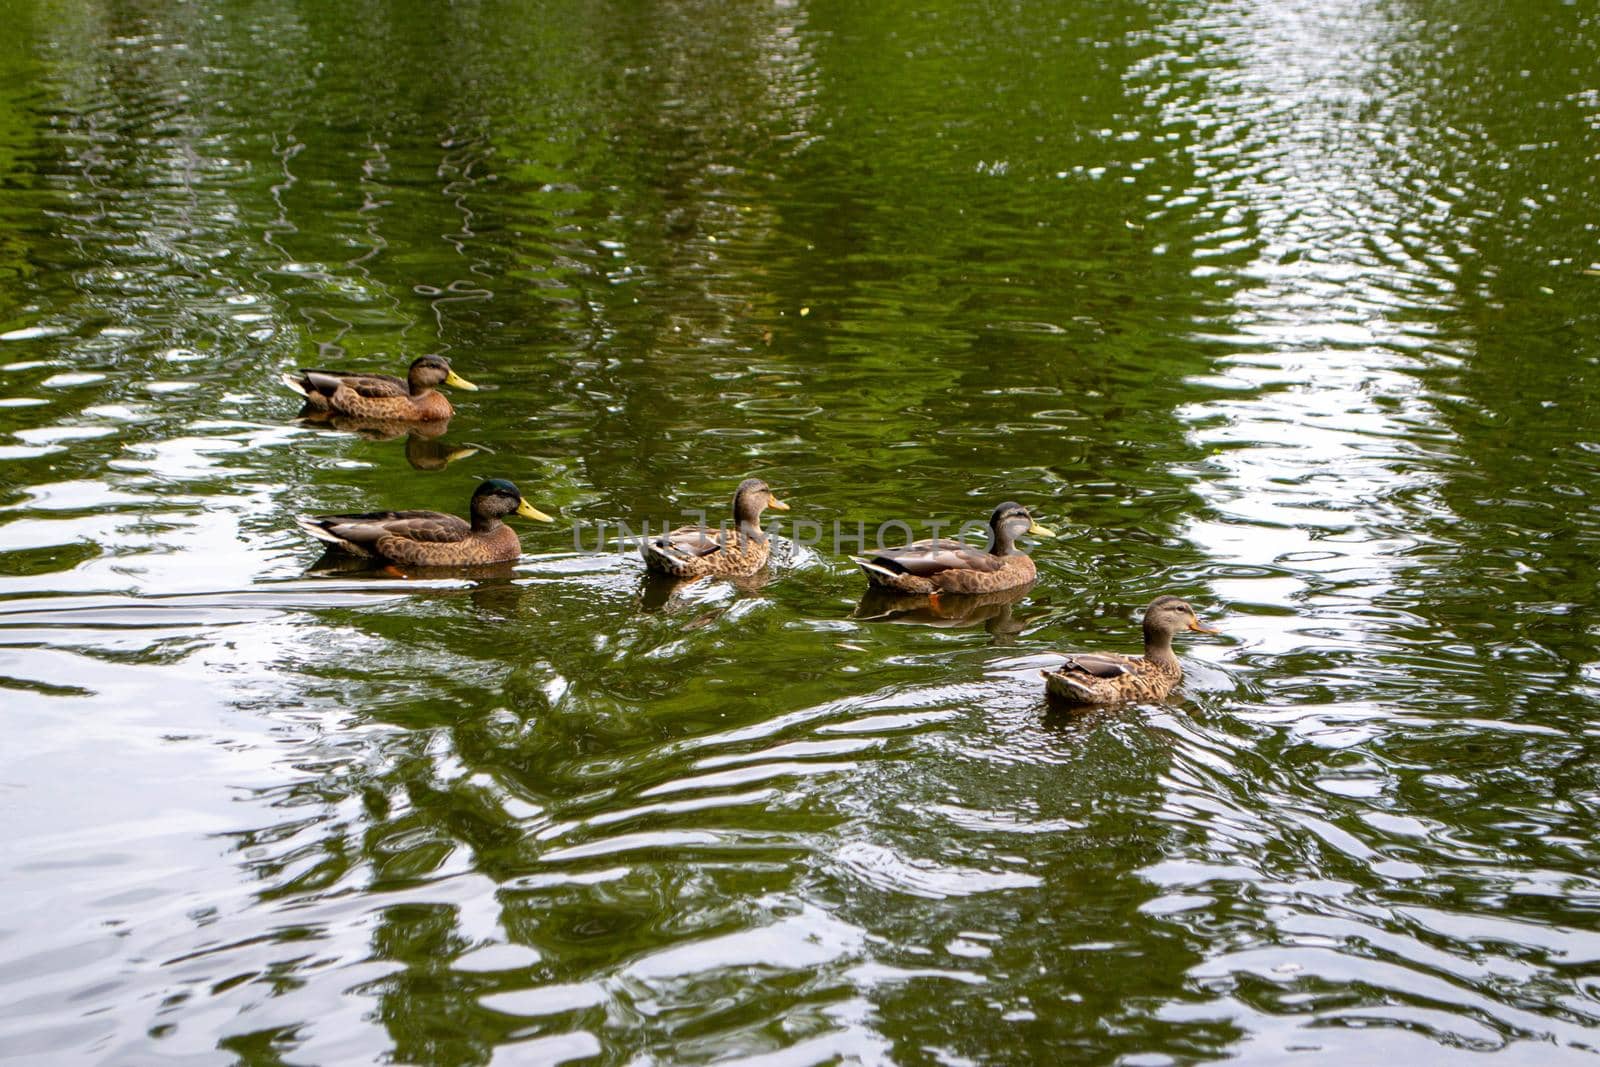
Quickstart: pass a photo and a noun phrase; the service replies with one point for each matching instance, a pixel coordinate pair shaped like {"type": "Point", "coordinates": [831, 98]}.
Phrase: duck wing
{"type": "Point", "coordinates": [927, 558]}
{"type": "Point", "coordinates": [1098, 664]}
{"type": "Point", "coordinates": [369, 528]}
{"type": "Point", "coordinates": [369, 385]}
{"type": "Point", "coordinates": [695, 541]}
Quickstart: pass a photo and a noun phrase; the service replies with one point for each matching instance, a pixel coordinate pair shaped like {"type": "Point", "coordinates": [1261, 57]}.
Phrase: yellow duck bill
{"type": "Point", "coordinates": [528, 511]}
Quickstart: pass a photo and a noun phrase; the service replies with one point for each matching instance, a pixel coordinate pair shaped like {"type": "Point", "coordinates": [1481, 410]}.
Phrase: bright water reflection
{"type": "Point", "coordinates": [1288, 307]}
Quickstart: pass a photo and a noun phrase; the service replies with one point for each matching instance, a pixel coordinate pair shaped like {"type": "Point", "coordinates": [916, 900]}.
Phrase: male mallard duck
{"type": "Point", "coordinates": [381, 396]}
{"type": "Point", "coordinates": [432, 538]}
{"type": "Point", "coordinates": [695, 551]}
{"type": "Point", "coordinates": [946, 566]}
{"type": "Point", "coordinates": [1109, 678]}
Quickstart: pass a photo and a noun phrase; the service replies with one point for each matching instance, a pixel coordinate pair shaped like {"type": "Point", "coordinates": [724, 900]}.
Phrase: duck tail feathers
{"type": "Point", "coordinates": [873, 570]}
{"type": "Point", "coordinates": [315, 527]}
{"type": "Point", "coordinates": [1065, 686]}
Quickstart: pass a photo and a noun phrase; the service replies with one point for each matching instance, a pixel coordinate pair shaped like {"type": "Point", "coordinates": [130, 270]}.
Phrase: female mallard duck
{"type": "Point", "coordinates": [695, 552]}
{"type": "Point", "coordinates": [432, 538]}
{"type": "Point", "coordinates": [945, 566]}
{"type": "Point", "coordinates": [1109, 678]}
{"type": "Point", "coordinates": [381, 396]}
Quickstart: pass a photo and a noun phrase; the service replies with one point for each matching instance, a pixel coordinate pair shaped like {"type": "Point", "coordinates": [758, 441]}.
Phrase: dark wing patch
{"type": "Point", "coordinates": [692, 541]}
{"type": "Point", "coordinates": [1098, 665]}
{"type": "Point", "coordinates": [927, 558]}
{"type": "Point", "coordinates": [369, 385]}
{"type": "Point", "coordinates": [370, 527]}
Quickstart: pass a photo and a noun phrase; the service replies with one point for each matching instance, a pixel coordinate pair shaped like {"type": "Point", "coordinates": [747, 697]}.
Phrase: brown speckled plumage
{"type": "Point", "coordinates": [381, 396]}
{"type": "Point", "coordinates": [697, 551]}
{"type": "Point", "coordinates": [1112, 678]}
{"type": "Point", "coordinates": [945, 566]}
{"type": "Point", "coordinates": [431, 538]}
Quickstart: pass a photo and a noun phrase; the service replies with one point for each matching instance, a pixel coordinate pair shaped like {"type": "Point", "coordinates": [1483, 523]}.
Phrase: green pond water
{"type": "Point", "coordinates": [1291, 307]}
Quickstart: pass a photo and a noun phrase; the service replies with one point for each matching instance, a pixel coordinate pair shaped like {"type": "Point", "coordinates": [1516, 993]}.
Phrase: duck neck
{"type": "Point", "coordinates": [1001, 543]}
{"type": "Point", "coordinates": [747, 517]}
{"type": "Point", "coordinates": [485, 524]}
{"type": "Point", "coordinates": [1158, 647]}
{"type": "Point", "coordinates": [418, 388]}
{"type": "Point", "coordinates": [750, 528]}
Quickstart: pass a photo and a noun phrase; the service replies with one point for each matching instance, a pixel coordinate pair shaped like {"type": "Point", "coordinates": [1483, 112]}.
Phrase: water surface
{"type": "Point", "coordinates": [1290, 308]}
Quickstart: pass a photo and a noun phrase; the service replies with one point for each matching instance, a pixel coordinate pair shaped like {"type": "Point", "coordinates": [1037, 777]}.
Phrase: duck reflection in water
{"type": "Point", "coordinates": [663, 592]}
{"type": "Point", "coordinates": [992, 610]}
{"type": "Point", "coordinates": [425, 450]}
{"type": "Point", "coordinates": [334, 563]}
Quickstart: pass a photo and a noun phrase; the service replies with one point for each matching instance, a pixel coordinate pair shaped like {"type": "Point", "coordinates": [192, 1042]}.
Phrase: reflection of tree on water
{"type": "Point", "coordinates": [1020, 863]}
{"type": "Point", "coordinates": [1512, 566]}
{"type": "Point", "coordinates": [697, 227]}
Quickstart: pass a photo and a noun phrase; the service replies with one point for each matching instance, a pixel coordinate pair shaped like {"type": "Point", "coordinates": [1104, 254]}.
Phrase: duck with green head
{"type": "Point", "coordinates": [432, 538]}
{"type": "Point", "coordinates": [941, 565]}
{"type": "Point", "coordinates": [381, 396]}
{"type": "Point", "coordinates": [1112, 678]}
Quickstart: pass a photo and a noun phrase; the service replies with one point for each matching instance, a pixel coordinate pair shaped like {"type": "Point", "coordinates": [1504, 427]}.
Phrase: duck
{"type": "Point", "coordinates": [431, 538]}
{"type": "Point", "coordinates": [381, 396]}
{"type": "Point", "coordinates": [941, 565]}
{"type": "Point", "coordinates": [1112, 678]}
{"type": "Point", "coordinates": [697, 552]}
